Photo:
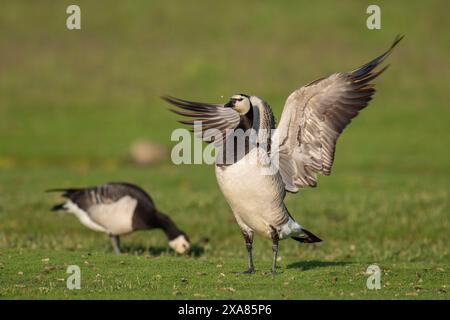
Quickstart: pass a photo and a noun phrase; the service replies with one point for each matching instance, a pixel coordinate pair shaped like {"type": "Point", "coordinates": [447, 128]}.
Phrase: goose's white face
{"type": "Point", "coordinates": [180, 244]}
{"type": "Point", "coordinates": [240, 103]}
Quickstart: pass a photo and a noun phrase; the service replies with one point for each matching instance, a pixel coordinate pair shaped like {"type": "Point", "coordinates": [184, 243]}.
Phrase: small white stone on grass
{"type": "Point", "coordinates": [146, 152]}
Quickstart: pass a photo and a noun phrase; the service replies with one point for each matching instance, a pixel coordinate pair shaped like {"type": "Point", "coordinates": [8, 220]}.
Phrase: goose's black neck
{"type": "Point", "coordinates": [163, 222]}
{"type": "Point", "coordinates": [246, 122]}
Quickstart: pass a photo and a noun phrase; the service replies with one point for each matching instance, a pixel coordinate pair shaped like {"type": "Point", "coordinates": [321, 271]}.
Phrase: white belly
{"type": "Point", "coordinates": [255, 198]}
{"type": "Point", "coordinates": [116, 217]}
{"type": "Point", "coordinates": [113, 218]}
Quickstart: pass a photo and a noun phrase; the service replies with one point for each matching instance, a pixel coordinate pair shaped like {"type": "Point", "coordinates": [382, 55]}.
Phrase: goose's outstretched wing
{"type": "Point", "coordinates": [216, 120]}
{"type": "Point", "coordinates": [315, 115]}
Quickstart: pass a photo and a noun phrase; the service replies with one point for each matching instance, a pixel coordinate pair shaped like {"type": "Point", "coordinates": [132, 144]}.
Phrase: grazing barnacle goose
{"type": "Point", "coordinates": [302, 146]}
{"type": "Point", "coordinates": [118, 209]}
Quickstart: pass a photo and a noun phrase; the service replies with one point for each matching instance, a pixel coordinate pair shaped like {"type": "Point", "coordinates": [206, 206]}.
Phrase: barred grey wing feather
{"type": "Point", "coordinates": [216, 120]}
{"type": "Point", "coordinates": [313, 118]}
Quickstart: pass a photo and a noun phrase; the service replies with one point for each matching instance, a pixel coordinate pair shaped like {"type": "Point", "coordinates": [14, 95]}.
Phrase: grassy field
{"type": "Point", "coordinates": [72, 103]}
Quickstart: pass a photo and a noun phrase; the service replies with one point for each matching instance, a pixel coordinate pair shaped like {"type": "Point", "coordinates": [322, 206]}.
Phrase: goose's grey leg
{"type": "Point", "coordinates": [275, 239]}
{"type": "Point", "coordinates": [248, 236]}
{"type": "Point", "coordinates": [115, 241]}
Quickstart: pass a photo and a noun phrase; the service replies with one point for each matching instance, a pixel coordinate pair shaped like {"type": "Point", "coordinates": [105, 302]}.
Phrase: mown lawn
{"type": "Point", "coordinates": [72, 103]}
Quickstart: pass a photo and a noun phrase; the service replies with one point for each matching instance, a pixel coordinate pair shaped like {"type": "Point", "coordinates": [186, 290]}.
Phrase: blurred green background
{"type": "Point", "coordinates": [73, 102]}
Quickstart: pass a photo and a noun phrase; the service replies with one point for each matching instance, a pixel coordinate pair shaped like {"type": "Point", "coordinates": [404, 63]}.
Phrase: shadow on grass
{"type": "Point", "coordinates": [195, 251]}
{"type": "Point", "coordinates": [303, 265]}
{"type": "Point", "coordinates": [312, 264]}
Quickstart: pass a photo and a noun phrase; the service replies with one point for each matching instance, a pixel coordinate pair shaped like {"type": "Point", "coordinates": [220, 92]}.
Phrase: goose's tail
{"type": "Point", "coordinates": [59, 207]}
{"type": "Point", "coordinates": [307, 237]}
{"type": "Point", "coordinates": [66, 193]}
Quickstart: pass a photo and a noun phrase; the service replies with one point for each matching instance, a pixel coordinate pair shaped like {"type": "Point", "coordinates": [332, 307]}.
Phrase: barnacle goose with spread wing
{"type": "Point", "coordinates": [118, 209]}
{"type": "Point", "coordinates": [302, 146]}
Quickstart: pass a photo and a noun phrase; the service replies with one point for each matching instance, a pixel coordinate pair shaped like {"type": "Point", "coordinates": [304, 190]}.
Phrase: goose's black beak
{"type": "Point", "coordinates": [229, 104]}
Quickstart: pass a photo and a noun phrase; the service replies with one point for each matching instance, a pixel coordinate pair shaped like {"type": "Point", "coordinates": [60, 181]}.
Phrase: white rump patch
{"type": "Point", "coordinates": [83, 217]}
{"type": "Point", "coordinates": [290, 228]}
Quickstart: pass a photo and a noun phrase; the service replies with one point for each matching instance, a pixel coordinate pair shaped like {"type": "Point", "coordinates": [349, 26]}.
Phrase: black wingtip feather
{"type": "Point", "coordinates": [364, 70]}
{"type": "Point", "coordinates": [168, 98]}
{"type": "Point", "coordinates": [370, 76]}
{"type": "Point", "coordinates": [398, 38]}
{"type": "Point", "coordinates": [186, 104]}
